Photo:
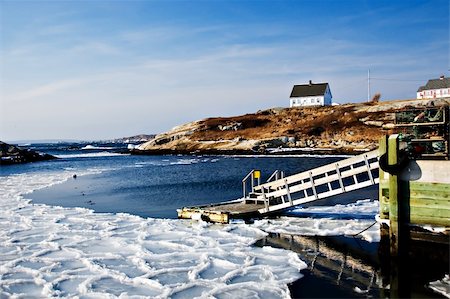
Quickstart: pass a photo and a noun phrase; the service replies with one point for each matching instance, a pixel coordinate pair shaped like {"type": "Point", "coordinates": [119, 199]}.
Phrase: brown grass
{"type": "Point", "coordinates": [331, 122]}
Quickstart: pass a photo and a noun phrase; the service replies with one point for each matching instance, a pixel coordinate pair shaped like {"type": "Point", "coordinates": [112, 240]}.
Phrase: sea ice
{"type": "Point", "coordinates": [441, 286]}
{"type": "Point", "coordinates": [90, 155]}
{"type": "Point", "coordinates": [329, 221]}
{"type": "Point", "coordinates": [53, 251]}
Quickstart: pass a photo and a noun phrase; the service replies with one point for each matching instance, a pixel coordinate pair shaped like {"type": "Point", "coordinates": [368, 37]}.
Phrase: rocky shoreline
{"type": "Point", "coordinates": [342, 129]}
{"type": "Point", "coordinates": [230, 152]}
{"type": "Point", "coordinates": [10, 154]}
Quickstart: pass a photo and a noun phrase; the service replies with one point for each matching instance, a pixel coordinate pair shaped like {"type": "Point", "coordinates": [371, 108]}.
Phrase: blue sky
{"type": "Point", "coordinates": [105, 69]}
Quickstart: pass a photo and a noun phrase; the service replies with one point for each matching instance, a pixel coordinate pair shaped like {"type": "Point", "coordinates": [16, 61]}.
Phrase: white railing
{"type": "Point", "coordinates": [277, 174]}
{"type": "Point", "coordinates": [321, 182]}
{"type": "Point", "coordinates": [253, 175]}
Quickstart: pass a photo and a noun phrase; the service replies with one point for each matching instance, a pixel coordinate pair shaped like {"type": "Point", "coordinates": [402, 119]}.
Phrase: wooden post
{"type": "Point", "coordinates": [394, 204]}
{"type": "Point", "coordinates": [398, 229]}
{"type": "Point", "coordinates": [383, 189]}
{"type": "Point", "coordinates": [394, 233]}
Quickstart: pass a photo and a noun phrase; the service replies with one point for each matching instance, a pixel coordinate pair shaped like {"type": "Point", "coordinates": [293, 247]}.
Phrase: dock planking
{"type": "Point", "coordinates": [222, 212]}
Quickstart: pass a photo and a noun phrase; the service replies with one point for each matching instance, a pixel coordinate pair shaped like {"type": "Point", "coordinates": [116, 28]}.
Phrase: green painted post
{"type": "Point", "coordinates": [383, 189]}
{"type": "Point", "coordinates": [393, 196]}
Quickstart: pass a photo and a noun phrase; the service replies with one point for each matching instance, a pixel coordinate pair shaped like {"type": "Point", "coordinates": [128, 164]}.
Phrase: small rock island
{"type": "Point", "coordinates": [10, 154]}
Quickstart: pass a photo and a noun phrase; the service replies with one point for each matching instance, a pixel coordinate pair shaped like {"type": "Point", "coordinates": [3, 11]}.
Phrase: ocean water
{"type": "Point", "coordinates": [111, 231]}
{"type": "Point", "coordinates": [155, 186]}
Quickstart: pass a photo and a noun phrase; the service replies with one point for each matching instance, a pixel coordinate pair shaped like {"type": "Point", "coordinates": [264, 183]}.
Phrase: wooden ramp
{"type": "Point", "coordinates": [285, 192]}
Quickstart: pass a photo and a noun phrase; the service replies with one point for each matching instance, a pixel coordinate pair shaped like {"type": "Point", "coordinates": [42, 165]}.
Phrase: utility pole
{"type": "Point", "coordinates": [368, 85]}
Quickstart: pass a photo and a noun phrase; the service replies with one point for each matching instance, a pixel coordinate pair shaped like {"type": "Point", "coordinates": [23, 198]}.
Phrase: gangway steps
{"type": "Point", "coordinates": [319, 183]}
{"type": "Point", "coordinates": [285, 192]}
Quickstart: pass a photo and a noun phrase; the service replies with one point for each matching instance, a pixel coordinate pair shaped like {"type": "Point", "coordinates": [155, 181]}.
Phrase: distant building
{"type": "Point", "coordinates": [312, 94]}
{"type": "Point", "coordinates": [435, 88]}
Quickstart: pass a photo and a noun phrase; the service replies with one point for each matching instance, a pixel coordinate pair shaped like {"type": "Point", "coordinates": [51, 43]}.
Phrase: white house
{"type": "Point", "coordinates": [435, 88]}
{"type": "Point", "coordinates": [312, 94]}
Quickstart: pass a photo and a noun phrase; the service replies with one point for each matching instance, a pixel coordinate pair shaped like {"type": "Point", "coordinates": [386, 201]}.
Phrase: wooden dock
{"type": "Point", "coordinates": [222, 212]}
{"type": "Point", "coordinates": [286, 192]}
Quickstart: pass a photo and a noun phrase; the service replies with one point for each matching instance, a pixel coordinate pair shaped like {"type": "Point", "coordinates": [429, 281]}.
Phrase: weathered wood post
{"type": "Point", "coordinates": [394, 231]}
{"type": "Point", "coordinates": [394, 195]}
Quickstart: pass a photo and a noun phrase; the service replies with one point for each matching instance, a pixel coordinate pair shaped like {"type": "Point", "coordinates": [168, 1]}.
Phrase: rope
{"type": "Point", "coordinates": [365, 229]}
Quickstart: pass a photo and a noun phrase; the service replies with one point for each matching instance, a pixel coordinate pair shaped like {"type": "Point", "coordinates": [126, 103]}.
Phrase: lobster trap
{"type": "Point", "coordinates": [424, 133]}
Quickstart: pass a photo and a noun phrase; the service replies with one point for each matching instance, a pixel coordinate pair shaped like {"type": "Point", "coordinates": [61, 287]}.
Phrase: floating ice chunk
{"type": "Point", "coordinates": [351, 219]}
{"type": "Point", "coordinates": [435, 229]}
{"type": "Point", "coordinates": [360, 208]}
{"type": "Point", "coordinates": [186, 161]}
{"type": "Point", "coordinates": [89, 155]}
{"type": "Point", "coordinates": [321, 227]}
{"type": "Point", "coordinates": [359, 291]}
{"type": "Point", "coordinates": [93, 147]}
{"type": "Point", "coordinates": [441, 286]}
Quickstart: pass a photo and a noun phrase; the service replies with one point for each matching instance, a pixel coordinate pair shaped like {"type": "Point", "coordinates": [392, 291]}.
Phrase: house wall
{"type": "Point", "coordinates": [328, 97]}
{"type": "Point", "coordinates": [433, 93]}
{"type": "Point", "coordinates": [307, 101]}
{"type": "Point", "coordinates": [325, 100]}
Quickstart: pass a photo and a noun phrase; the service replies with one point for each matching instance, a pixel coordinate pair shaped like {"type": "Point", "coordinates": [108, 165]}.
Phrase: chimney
{"type": "Point", "coordinates": [440, 78]}
{"type": "Point", "coordinates": [310, 82]}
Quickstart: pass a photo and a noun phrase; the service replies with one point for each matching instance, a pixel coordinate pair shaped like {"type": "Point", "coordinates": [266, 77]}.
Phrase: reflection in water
{"type": "Point", "coordinates": [346, 267]}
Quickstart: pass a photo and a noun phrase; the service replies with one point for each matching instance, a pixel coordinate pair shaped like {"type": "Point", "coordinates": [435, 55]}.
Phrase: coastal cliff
{"type": "Point", "coordinates": [348, 128]}
{"type": "Point", "coordinates": [10, 154]}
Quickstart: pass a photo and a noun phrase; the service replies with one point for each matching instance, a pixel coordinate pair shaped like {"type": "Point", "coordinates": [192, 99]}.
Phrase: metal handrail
{"type": "Point", "coordinates": [251, 175]}
{"type": "Point", "coordinates": [278, 174]}
{"type": "Point", "coordinates": [274, 174]}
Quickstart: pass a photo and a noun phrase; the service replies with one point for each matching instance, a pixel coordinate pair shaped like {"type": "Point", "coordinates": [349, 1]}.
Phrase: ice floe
{"type": "Point", "coordinates": [441, 286]}
{"type": "Point", "coordinates": [360, 209]}
{"type": "Point", "coordinates": [90, 155]}
{"type": "Point", "coordinates": [73, 252]}
{"type": "Point", "coordinates": [93, 147]}
{"type": "Point", "coordinates": [355, 219]}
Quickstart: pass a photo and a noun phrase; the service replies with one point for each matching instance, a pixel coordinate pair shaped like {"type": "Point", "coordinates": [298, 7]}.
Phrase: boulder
{"type": "Point", "coordinates": [10, 154]}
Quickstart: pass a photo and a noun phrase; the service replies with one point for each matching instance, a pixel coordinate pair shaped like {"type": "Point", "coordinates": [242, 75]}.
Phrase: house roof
{"type": "Point", "coordinates": [436, 84]}
{"type": "Point", "coordinates": [307, 90]}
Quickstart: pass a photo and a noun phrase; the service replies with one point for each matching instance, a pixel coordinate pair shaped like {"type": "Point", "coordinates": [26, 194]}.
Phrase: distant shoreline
{"type": "Point", "coordinates": [269, 152]}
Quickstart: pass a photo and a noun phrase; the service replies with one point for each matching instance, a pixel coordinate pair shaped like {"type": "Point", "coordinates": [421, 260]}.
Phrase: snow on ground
{"type": "Point", "coordinates": [53, 251]}
{"type": "Point", "coordinates": [352, 219]}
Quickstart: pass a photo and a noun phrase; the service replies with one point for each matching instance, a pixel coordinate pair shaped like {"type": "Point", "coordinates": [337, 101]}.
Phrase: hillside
{"type": "Point", "coordinates": [345, 128]}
